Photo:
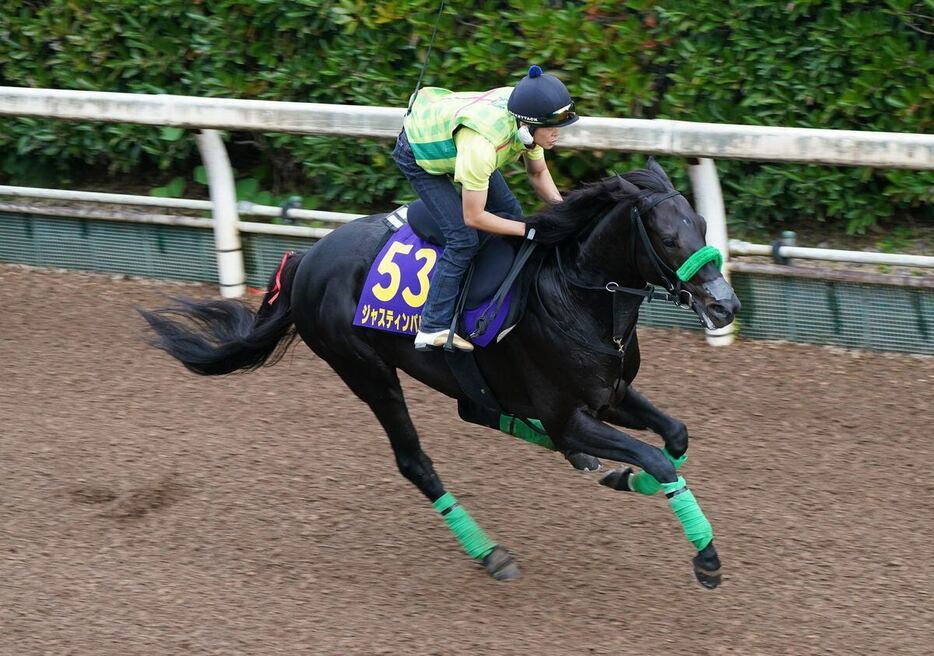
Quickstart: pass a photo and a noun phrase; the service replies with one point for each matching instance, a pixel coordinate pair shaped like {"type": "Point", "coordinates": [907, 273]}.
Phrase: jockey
{"type": "Point", "coordinates": [472, 135]}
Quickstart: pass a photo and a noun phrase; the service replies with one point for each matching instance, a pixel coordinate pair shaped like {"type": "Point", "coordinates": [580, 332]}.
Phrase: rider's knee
{"type": "Point", "coordinates": [465, 241]}
{"type": "Point", "coordinates": [509, 207]}
{"type": "Point", "coordinates": [515, 208]}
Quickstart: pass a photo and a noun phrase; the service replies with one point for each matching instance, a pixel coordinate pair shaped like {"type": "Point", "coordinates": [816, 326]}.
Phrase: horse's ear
{"type": "Point", "coordinates": [627, 187]}
{"type": "Point", "coordinates": [655, 167]}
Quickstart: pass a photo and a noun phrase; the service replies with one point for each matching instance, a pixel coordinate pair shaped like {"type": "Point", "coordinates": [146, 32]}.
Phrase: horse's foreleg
{"type": "Point", "coordinates": [636, 411]}
{"type": "Point", "coordinates": [592, 436]}
{"type": "Point", "coordinates": [379, 387]}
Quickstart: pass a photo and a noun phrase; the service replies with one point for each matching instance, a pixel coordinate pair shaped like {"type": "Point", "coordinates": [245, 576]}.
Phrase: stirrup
{"type": "Point", "coordinates": [425, 341]}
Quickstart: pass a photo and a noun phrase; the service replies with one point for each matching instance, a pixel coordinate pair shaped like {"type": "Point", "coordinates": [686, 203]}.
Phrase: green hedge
{"type": "Point", "coordinates": [865, 65]}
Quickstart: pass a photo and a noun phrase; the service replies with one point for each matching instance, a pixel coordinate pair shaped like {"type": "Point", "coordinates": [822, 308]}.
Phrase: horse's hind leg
{"type": "Point", "coordinates": [377, 384]}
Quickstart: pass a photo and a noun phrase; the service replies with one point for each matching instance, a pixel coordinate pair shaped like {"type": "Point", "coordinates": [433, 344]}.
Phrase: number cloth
{"type": "Point", "coordinates": [438, 114]}
{"type": "Point", "coordinates": [397, 285]}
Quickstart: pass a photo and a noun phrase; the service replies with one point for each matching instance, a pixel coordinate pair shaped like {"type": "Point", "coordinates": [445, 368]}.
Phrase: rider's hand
{"type": "Point", "coordinates": [529, 229]}
{"type": "Point", "coordinates": [544, 230]}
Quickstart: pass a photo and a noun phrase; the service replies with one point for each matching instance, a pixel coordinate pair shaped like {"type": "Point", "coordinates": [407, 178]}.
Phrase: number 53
{"type": "Point", "coordinates": [388, 267]}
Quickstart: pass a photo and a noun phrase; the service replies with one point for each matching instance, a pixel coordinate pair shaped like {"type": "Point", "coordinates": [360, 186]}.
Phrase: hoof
{"type": "Point", "coordinates": [500, 565]}
{"type": "Point", "coordinates": [618, 479]}
{"type": "Point", "coordinates": [583, 462]}
{"type": "Point", "coordinates": [707, 567]}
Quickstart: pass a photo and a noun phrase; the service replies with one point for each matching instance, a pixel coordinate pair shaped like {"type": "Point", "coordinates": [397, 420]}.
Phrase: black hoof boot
{"type": "Point", "coordinates": [583, 462]}
{"type": "Point", "coordinates": [500, 565]}
{"type": "Point", "coordinates": [618, 479]}
{"type": "Point", "coordinates": [707, 567]}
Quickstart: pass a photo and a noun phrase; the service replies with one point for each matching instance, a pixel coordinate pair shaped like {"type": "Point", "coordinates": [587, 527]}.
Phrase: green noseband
{"type": "Point", "coordinates": [697, 260]}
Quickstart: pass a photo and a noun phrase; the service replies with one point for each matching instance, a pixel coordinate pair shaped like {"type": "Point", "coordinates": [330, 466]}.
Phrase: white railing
{"type": "Point", "coordinates": [738, 247]}
{"type": "Point", "coordinates": [246, 208]}
{"type": "Point", "coordinates": [700, 142]}
{"type": "Point", "coordinates": [243, 207]}
{"type": "Point", "coordinates": [660, 136]}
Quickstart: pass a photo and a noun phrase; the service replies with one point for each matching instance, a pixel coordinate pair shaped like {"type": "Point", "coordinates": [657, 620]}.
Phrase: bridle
{"type": "Point", "coordinates": [626, 314]}
{"type": "Point", "coordinates": [677, 294]}
{"type": "Point", "coordinates": [672, 280]}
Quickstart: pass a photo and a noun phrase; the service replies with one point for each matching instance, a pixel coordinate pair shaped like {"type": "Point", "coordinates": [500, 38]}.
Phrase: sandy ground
{"type": "Point", "coordinates": [144, 510]}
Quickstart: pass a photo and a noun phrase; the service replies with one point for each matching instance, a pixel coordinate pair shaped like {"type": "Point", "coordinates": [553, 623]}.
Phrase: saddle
{"type": "Point", "coordinates": [490, 265]}
{"type": "Point", "coordinates": [491, 302]}
{"type": "Point", "coordinates": [494, 294]}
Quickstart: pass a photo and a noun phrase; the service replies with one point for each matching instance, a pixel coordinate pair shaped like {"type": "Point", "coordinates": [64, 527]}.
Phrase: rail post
{"type": "Point", "coordinates": [230, 272]}
{"type": "Point", "coordinates": [708, 202]}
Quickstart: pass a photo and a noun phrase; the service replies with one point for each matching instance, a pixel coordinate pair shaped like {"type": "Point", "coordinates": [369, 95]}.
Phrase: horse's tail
{"type": "Point", "coordinates": [220, 337]}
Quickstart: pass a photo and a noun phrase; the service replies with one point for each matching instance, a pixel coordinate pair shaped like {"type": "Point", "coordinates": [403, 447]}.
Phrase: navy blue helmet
{"type": "Point", "coordinates": [542, 100]}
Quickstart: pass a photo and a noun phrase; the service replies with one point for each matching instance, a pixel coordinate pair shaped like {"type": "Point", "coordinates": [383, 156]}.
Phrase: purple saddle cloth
{"type": "Point", "coordinates": [397, 286]}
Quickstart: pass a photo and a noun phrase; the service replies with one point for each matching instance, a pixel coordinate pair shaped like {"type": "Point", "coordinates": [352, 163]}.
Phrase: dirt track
{"type": "Point", "coordinates": [144, 510]}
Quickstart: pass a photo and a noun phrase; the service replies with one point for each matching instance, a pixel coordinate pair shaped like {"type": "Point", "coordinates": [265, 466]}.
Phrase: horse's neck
{"type": "Point", "coordinates": [606, 251]}
{"type": "Point", "coordinates": [601, 257]}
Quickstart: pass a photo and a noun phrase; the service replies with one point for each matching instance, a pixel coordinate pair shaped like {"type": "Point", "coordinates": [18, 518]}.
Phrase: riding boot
{"type": "Point", "coordinates": [424, 341]}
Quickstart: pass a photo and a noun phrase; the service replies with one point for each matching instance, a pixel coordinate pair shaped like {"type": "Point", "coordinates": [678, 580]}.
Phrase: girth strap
{"type": "Point", "coordinates": [463, 365]}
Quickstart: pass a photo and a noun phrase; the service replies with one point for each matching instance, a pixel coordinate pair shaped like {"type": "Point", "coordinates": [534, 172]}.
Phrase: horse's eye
{"type": "Point", "coordinates": [669, 243]}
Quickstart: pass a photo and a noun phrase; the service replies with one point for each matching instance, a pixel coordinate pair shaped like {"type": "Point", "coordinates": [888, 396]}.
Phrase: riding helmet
{"type": "Point", "coordinates": [542, 100]}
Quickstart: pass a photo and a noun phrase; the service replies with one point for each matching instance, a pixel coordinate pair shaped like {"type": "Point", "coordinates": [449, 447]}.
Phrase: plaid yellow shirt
{"type": "Point", "coordinates": [439, 113]}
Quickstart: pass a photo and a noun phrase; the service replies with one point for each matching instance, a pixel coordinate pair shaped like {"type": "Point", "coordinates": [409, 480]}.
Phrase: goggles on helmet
{"type": "Point", "coordinates": [560, 116]}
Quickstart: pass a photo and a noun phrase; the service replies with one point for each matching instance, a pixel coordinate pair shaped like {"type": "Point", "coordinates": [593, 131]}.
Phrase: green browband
{"type": "Point", "coordinates": [697, 260]}
{"type": "Point", "coordinates": [475, 541]}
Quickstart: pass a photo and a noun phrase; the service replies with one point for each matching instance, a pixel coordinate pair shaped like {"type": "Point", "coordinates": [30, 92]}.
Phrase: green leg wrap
{"type": "Point", "coordinates": [644, 483]}
{"type": "Point", "coordinates": [530, 430]}
{"type": "Point", "coordinates": [476, 543]}
{"type": "Point", "coordinates": [692, 518]}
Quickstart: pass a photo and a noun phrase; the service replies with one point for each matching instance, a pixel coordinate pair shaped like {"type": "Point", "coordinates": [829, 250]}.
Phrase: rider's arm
{"type": "Point", "coordinates": [475, 216]}
{"type": "Point", "coordinates": [540, 178]}
{"type": "Point", "coordinates": [476, 162]}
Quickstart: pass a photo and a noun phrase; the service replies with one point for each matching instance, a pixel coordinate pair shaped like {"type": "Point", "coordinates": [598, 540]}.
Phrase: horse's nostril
{"type": "Point", "coordinates": [719, 311]}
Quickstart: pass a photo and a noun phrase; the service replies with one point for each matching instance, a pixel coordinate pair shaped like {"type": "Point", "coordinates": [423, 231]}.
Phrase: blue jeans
{"type": "Point", "coordinates": [444, 202]}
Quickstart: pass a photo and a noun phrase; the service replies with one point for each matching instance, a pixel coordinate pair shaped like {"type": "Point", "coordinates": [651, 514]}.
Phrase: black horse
{"type": "Point", "coordinates": [570, 361]}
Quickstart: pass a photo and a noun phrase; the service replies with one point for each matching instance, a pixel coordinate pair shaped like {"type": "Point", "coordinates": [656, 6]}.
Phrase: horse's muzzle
{"type": "Point", "coordinates": [719, 305]}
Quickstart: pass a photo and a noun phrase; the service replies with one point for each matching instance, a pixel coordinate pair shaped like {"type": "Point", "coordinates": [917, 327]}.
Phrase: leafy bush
{"type": "Point", "coordinates": [862, 64]}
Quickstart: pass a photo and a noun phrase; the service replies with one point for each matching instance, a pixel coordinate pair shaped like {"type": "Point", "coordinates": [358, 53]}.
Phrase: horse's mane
{"type": "Point", "coordinates": [585, 204]}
